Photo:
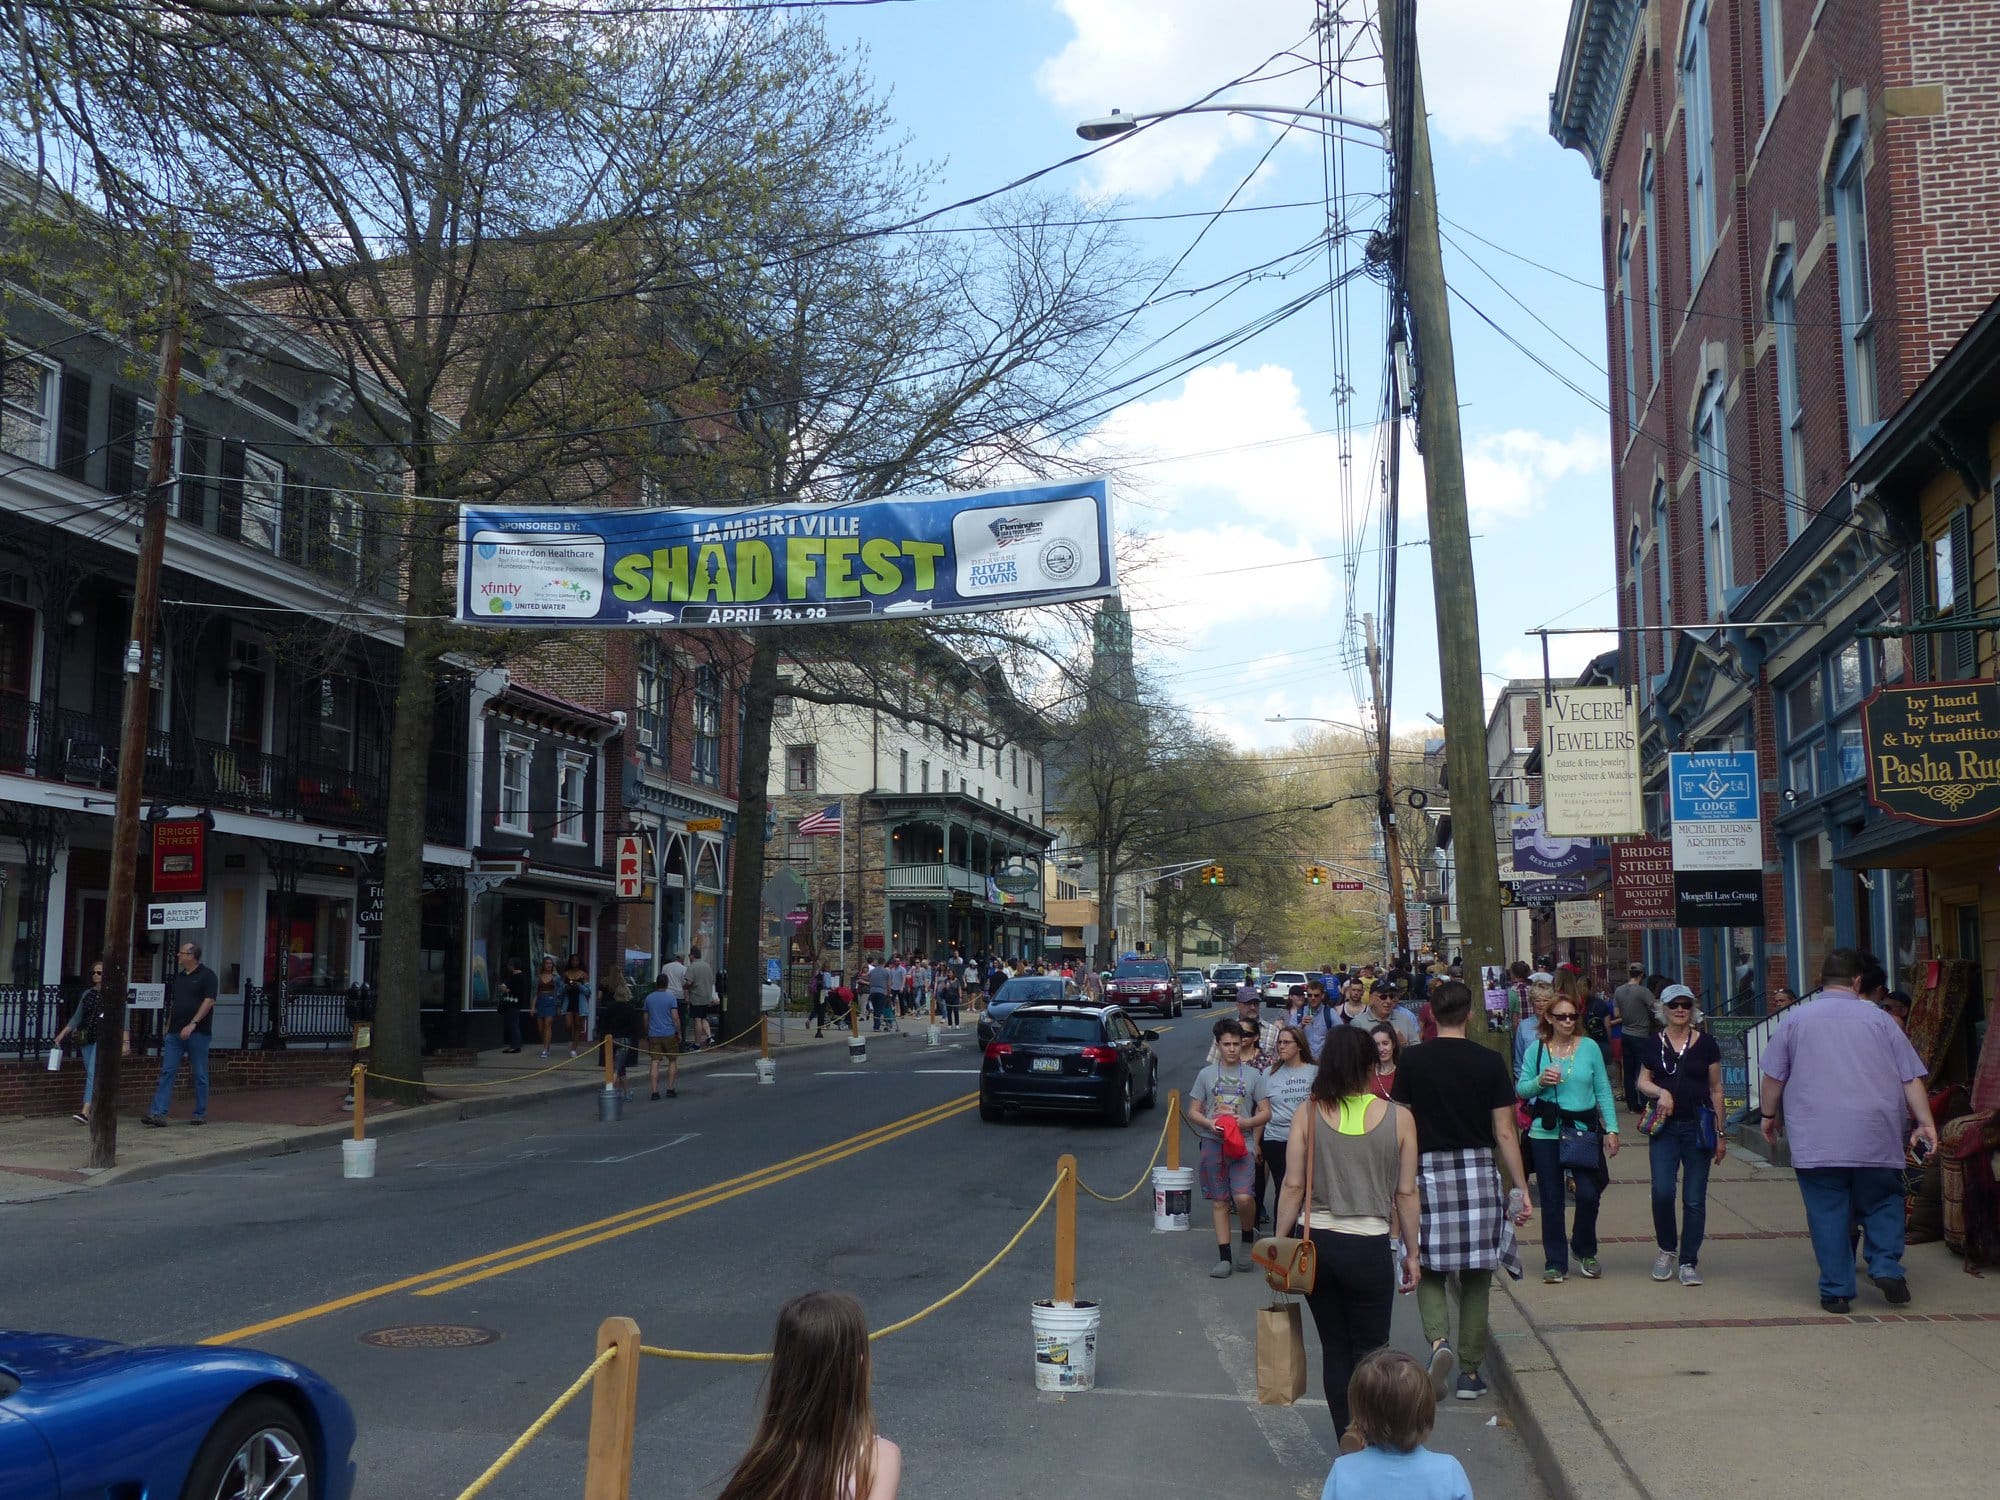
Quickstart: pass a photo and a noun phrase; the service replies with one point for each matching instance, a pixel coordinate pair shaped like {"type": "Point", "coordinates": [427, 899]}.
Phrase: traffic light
{"type": "Point", "coordinates": [1212, 875]}
{"type": "Point", "coordinates": [1316, 874]}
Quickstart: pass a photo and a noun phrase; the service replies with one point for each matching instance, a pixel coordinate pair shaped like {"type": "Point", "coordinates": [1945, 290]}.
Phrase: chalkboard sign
{"type": "Point", "coordinates": [1728, 1032]}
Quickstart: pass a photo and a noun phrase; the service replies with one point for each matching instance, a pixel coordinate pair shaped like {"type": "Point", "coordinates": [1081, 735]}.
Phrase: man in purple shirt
{"type": "Point", "coordinates": [1850, 1082]}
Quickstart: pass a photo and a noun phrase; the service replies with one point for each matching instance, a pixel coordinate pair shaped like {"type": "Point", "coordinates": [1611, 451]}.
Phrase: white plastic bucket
{"type": "Point", "coordinates": [357, 1158]}
{"type": "Point", "coordinates": [767, 1070]}
{"type": "Point", "coordinates": [1065, 1345]}
{"type": "Point", "coordinates": [857, 1049]}
{"type": "Point", "coordinates": [935, 1036]}
{"type": "Point", "coordinates": [1173, 1196]}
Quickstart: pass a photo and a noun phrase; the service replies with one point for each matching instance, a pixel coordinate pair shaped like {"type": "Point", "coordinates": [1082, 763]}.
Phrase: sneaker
{"type": "Point", "coordinates": [673, 1093]}
{"type": "Point", "coordinates": [1663, 1266]}
{"type": "Point", "coordinates": [1588, 1267]}
{"type": "Point", "coordinates": [572, 1052]}
{"type": "Point", "coordinates": [1553, 1275]}
{"type": "Point", "coordinates": [1243, 1261]}
{"type": "Point", "coordinates": [154, 1120]}
{"type": "Point", "coordinates": [1471, 1386]}
{"type": "Point", "coordinates": [656, 1093]}
{"type": "Point", "coordinates": [198, 1120]}
{"type": "Point", "coordinates": [1221, 1269]}
{"type": "Point", "coordinates": [1894, 1289]}
{"type": "Point", "coordinates": [1442, 1366]}
{"type": "Point", "coordinates": [81, 1118]}
{"type": "Point", "coordinates": [1835, 1305]}
{"type": "Point", "coordinates": [1690, 1276]}
{"type": "Point", "coordinates": [545, 1052]}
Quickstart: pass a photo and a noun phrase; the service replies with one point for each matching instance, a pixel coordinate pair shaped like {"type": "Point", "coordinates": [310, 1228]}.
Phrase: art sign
{"type": "Point", "coordinates": [1934, 752]}
{"type": "Point", "coordinates": [785, 564]}
{"type": "Point", "coordinates": [1718, 838]}
{"type": "Point", "coordinates": [1590, 763]}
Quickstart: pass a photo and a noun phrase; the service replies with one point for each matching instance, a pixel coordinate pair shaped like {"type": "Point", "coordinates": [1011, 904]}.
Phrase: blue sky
{"type": "Point", "coordinates": [1234, 467]}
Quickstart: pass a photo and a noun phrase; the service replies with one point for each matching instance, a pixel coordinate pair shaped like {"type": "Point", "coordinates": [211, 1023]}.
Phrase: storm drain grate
{"type": "Point", "coordinates": [431, 1336]}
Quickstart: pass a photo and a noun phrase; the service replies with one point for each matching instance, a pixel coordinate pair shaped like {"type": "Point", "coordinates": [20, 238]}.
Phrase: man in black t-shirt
{"type": "Point", "coordinates": [190, 1019]}
{"type": "Point", "coordinates": [1462, 1098]}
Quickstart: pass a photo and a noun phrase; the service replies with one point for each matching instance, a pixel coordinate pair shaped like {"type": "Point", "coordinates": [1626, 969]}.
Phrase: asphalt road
{"type": "Point", "coordinates": [286, 1255]}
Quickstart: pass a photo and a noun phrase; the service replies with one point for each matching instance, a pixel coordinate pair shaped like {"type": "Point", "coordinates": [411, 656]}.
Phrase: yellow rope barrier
{"type": "Point", "coordinates": [881, 1333]}
{"type": "Point", "coordinates": [540, 1423]}
{"type": "Point", "coordinates": [588, 1057]}
{"type": "Point", "coordinates": [1158, 1146]}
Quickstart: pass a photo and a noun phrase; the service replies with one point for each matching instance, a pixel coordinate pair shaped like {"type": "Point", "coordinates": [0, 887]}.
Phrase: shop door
{"type": "Point", "coordinates": [83, 933]}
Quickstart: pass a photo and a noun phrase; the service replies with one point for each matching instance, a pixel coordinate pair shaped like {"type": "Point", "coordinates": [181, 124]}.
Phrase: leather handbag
{"type": "Point", "coordinates": [1291, 1262]}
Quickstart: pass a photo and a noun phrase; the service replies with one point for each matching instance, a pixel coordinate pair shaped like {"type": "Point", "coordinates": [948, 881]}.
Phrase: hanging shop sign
{"type": "Point", "coordinates": [1018, 876]}
{"type": "Point", "coordinates": [786, 564]}
{"type": "Point", "coordinates": [1718, 839]}
{"type": "Point", "coordinates": [368, 914]}
{"type": "Point", "coordinates": [1590, 763]}
{"type": "Point", "coordinates": [1642, 883]}
{"type": "Point", "coordinates": [631, 871]}
{"type": "Point", "coordinates": [180, 856]}
{"type": "Point", "coordinates": [1539, 852]}
{"type": "Point", "coordinates": [836, 924]}
{"type": "Point", "coordinates": [1934, 752]}
{"type": "Point", "coordinates": [1579, 919]}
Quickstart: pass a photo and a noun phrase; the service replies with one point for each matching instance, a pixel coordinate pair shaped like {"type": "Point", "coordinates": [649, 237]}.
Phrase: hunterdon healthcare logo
{"type": "Point", "coordinates": [535, 576]}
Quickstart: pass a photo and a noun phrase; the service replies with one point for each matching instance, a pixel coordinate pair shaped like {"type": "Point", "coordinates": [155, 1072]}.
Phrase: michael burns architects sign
{"type": "Point", "coordinates": [1934, 752]}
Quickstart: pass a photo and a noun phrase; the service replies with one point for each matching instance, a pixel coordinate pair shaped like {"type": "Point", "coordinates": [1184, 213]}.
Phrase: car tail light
{"type": "Point", "coordinates": [997, 1050]}
{"type": "Point", "coordinates": [1105, 1055]}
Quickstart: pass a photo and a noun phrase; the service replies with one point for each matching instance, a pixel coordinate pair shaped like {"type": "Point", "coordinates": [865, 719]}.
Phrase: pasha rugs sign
{"type": "Point", "coordinates": [1934, 752]}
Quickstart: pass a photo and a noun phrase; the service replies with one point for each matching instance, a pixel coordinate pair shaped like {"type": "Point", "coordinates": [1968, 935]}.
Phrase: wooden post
{"type": "Point", "coordinates": [360, 1101]}
{"type": "Point", "coordinates": [1173, 1130]}
{"type": "Point", "coordinates": [614, 1410]}
{"type": "Point", "coordinates": [763, 1036]}
{"type": "Point", "coordinates": [610, 1072]}
{"type": "Point", "coordinates": [1066, 1231]}
{"type": "Point", "coordinates": [854, 1011]}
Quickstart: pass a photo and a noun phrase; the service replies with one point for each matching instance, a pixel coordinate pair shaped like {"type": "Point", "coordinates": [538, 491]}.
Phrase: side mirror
{"type": "Point", "coordinates": [1150, 1036]}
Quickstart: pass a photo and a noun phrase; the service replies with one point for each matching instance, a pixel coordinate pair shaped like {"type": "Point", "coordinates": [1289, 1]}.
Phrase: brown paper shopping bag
{"type": "Point", "coordinates": [1281, 1355]}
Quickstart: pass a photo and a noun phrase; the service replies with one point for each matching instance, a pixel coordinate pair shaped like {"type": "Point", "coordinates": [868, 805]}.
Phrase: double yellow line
{"type": "Point", "coordinates": [582, 1236]}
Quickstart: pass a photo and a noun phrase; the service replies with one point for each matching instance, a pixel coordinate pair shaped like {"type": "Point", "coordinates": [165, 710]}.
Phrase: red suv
{"type": "Point", "coordinates": [1144, 984]}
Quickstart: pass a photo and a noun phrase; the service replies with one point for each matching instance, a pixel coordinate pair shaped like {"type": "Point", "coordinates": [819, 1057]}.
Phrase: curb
{"type": "Point", "coordinates": [1572, 1454]}
{"type": "Point", "coordinates": [417, 1117]}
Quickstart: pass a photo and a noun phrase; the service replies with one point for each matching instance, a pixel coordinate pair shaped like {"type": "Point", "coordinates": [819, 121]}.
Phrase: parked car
{"type": "Point", "coordinates": [1144, 984]}
{"type": "Point", "coordinates": [1194, 989]}
{"type": "Point", "coordinates": [1050, 988]}
{"type": "Point", "coordinates": [85, 1417]}
{"type": "Point", "coordinates": [1226, 980]}
{"type": "Point", "coordinates": [1283, 985]}
{"type": "Point", "coordinates": [1063, 1057]}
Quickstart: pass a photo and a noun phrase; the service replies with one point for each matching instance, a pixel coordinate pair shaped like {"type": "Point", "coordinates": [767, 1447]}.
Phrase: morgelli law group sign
{"type": "Point", "coordinates": [1642, 883]}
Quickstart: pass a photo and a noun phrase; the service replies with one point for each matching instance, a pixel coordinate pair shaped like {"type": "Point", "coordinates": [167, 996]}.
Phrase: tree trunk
{"type": "Point", "coordinates": [753, 800]}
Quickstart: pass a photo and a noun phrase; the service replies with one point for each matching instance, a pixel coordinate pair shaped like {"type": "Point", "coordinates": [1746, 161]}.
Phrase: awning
{"type": "Point", "coordinates": [1905, 844]}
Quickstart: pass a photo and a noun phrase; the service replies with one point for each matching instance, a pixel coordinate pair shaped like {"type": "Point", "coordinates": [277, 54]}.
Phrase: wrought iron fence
{"type": "Point", "coordinates": [30, 1016]}
{"type": "Point", "coordinates": [302, 1018]}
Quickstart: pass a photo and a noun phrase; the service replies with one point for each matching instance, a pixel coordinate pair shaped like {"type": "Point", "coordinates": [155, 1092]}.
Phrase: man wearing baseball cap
{"type": "Point", "coordinates": [1634, 1003]}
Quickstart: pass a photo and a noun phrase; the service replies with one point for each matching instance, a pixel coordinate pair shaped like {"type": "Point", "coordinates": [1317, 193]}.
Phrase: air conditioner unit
{"type": "Point", "coordinates": [645, 736]}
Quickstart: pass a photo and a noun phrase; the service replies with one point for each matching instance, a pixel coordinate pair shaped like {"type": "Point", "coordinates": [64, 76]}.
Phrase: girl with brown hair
{"type": "Point", "coordinates": [815, 1437]}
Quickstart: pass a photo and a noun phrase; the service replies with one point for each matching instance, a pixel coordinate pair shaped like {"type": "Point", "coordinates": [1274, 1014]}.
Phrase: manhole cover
{"type": "Point", "coordinates": [431, 1336]}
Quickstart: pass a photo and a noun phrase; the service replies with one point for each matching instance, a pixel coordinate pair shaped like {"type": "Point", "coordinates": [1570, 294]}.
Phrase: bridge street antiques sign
{"type": "Point", "coordinates": [1642, 883]}
{"type": "Point", "coordinates": [1934, 752]}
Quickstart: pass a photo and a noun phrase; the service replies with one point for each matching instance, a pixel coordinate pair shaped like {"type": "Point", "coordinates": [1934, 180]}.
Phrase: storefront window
{"type": "Point", "coordinates": [1849, 760]}
{"type": "Point", "coordinates": [1812, 885]}
{"type": "Point", "coordinates": [1903, 921]}
{"type": "Point", "coordinates": [1732, 965]}
{"type": "Point", "coordinates": [316, 944]}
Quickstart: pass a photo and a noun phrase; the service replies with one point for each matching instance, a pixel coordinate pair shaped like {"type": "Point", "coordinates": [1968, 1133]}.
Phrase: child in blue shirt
{"type": "Point", "coordinates": [1393, 1410]}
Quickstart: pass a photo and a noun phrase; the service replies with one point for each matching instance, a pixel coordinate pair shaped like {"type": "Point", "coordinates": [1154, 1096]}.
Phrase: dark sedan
{"type": "Point", "coordinates": [1028, 989]}
{"type": "Point", "coordinates": [1082, 1058]}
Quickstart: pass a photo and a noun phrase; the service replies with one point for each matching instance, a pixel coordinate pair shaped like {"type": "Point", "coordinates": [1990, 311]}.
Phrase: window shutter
{"type": "Point", "coordinates": [318, 520]}
{"type": "Point", "coordinates": [1918, 570]}
{"type": "Point", "coordinates": [73, 425]}
{"type": "Point", "coordinates": [229, 503]}
{"type": "Point", "coordinates": [121, 444]}
{"type": "Point", "coordinates": [197, 481]}
{"type": "Point", "coordinates": [1964, 644]}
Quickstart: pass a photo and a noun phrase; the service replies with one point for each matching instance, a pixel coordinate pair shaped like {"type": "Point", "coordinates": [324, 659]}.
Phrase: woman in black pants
{"type": "Point", "coordinates": [1360, 1155]}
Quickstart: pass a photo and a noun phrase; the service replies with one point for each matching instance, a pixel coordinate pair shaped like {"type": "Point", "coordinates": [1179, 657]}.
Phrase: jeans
{"type": "Point", "coordinates": [1272, 1164]}
{"type": "Point", "coordinates": [1634, 1049]}
{"type": "Point", "coordinates": [195, 1050]}
{"type": "Point", "coordinates": [1353, 1295]}
{"type": "Point", "coordinates": [510, 1025]}
{"type": "Point", "coordinates": [1838, 1198]}
{"type": "Point", "coordinates": [1549, 1173]}
{"type": "Point", "coordinates": [1674, 1152]}
{"type": "Point", "coordinates": [89, 1073]}
{"type": "Point", "coordinates": [1475, 1290]}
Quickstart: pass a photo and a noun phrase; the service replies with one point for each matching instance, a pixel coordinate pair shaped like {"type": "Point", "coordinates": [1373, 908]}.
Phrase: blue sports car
{"type": "Point", "coordinates": [82, 1417]}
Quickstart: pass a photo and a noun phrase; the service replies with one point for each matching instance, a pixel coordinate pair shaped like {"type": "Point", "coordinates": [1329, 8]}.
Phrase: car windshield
{"type": "Point", "coordinates": [1016, 991]}
{"type": "Point", "coordinates": [1143, 970]}
{"type": "Point", "coordinates": [1288, 976]}
{"type": "Point", "coordinates": [1190, 976]}
{"type": "Point", "coordinates": [1041, 1027]}
{"type": "Point", "coordinates": [1229, 975]}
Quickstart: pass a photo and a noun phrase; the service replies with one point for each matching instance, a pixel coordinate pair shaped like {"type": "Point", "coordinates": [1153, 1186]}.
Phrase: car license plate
{"type": "Point", "coordinates": [1048, 1065]}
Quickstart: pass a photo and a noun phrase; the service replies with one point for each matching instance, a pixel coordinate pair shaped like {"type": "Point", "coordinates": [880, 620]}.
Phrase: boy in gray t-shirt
{"type": "Point", "coordinates": [1229, 1087]}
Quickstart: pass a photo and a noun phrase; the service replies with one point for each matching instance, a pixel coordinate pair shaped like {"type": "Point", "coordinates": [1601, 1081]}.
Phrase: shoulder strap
{"type": "Point", "coordinates": [1312, 1121]}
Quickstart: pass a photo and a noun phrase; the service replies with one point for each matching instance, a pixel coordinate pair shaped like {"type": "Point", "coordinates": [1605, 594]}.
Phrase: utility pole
{"type": "Point", "coordinates": [1455, 600]}
{"type": "Point", "coordinates": [125, 826]}
{"type": "Point", "coordinates": [1386, 798]}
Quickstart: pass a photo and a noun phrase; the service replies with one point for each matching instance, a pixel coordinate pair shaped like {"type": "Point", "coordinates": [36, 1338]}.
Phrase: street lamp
{"type": "Point", "coordinates": [1308, 719]}
{"type": "Point", "coordinates": [1118, 123]}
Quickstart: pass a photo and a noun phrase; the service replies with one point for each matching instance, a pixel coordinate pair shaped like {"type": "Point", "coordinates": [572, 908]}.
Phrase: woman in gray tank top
{"type": "Point", "coordinates": [1363, 1152]}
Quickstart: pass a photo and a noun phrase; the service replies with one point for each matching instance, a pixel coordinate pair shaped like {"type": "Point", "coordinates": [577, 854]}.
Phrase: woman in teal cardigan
{"type": "Point", "coordinates": [1563, 1078]}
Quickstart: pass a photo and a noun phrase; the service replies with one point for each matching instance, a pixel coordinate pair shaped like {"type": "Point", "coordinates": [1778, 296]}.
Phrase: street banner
{"type": "Point", "coordinates": [593, 566]}
{"type": "Point", "coordinates": [1590, 763]}
{"type": "Point", "coordinates": [1539, 852]}
{"type": "Point", "coordinates": [1642, 884]}
{"type": "Point", "coordinates": [1934, 752]}
{"type": "Point", "coordinates": [1718, 839]}
{"type": "Point", "coordinates": [180, 856]}
{"type": "Point", "coordinates": [1579, 919]}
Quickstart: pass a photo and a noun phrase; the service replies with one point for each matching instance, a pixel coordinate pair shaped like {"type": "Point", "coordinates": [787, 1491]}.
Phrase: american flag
{"type": "Point", "coordinates": [826, 820]}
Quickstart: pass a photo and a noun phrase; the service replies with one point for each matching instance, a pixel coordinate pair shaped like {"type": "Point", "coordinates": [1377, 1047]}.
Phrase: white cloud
{"type": "Point", "coordinates": [1488, 68]}
{"type": "Point", "coordinates": [1196, 581]}
{"type": "Point", "coordinates": [1508, 475]}
{"type": "Point", "coordinates": [1568, 655]}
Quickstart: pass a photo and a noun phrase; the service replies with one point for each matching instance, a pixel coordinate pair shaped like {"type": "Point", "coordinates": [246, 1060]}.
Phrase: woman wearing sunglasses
{"type": "Point", "coordinates": [1568, 1090]}
{"type": "Point", "coordinates": [1683, 1075]}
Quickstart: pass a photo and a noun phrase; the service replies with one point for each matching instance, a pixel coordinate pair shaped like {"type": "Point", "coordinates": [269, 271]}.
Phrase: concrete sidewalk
{"type": "Point", "coordinates": [1627, 1387]}
{"type": "Point", "coordinates": [44, 1156]}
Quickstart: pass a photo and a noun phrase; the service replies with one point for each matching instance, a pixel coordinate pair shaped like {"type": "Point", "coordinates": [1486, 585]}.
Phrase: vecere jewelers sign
{"type": "Point", "coordinates": [1590, 763]}
{"type": "Point", "coordinates": [1934, 752]}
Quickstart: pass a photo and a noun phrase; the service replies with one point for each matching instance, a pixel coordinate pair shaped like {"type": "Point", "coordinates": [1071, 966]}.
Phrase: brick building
{"type": "Point", "coordinates": [1796, 226]}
